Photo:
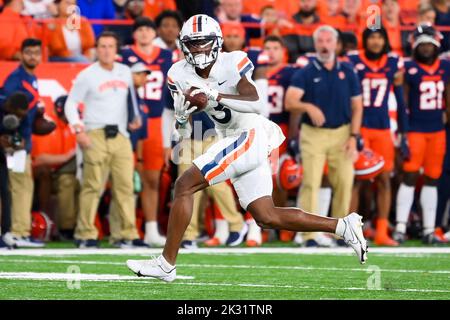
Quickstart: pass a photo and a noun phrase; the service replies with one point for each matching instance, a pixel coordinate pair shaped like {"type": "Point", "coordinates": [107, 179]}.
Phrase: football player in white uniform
{"type": "Point", "coordinates": [241, 154]}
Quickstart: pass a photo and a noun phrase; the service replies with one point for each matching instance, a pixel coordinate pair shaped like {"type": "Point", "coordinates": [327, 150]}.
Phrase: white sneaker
{"type": "Point", "coordinates": [324, 240]}
{"type": "Point", "coordinates": [447, 235]}
{"type": "Point", "coordinates": [155, 240]}
{"type": "Point", "coordinates": [353, 235]}
{"type": "Point", "coordinates": [10, 240]}
{"type": "Point", "coordinates": [157, 268]}
{"type": "Point", "coordinates": [298, 239]}
{"type": "Point", "coordinates": [22, 242]}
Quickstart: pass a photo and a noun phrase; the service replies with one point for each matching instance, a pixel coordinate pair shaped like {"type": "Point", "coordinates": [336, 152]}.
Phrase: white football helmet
{"type": "Point", "coordinates": [202, 35]}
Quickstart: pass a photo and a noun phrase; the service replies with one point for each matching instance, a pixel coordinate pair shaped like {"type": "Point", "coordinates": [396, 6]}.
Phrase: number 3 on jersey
{"type": "Point", "coordinates": [431, 95]}
{"type": "Point", "coordinates": [226, 114]}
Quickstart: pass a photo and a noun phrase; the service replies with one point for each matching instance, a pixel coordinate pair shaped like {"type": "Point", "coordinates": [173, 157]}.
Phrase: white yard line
{"type": "Point", "coordinates": [228, 266]}
{"type": "Point", "coordinates": [72, 276]}
{"type": "Point", "coordinates": [133, 279]}
{"type": "Point", "coordinates": [327, 251]}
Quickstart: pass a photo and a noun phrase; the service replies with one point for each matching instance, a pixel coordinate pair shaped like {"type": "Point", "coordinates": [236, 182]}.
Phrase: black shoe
{"type": "Point", "coordinates": [3, 244]}
{"type": "Point", "coordinates": [311, 243]}
{"type": "Point", "coordinates": [90, 243]}
{"type": "Point", "coordinates": [188, 244]}
{"type": "Point", "coordinates": [431, 239]}
{"type": "Point", "coordinates": [66, 234]}
{"type": "Point", "coordinates": [341, 243]}
{"type": "Point", "coordinates": [138, 243]}
{"type": "Point", "coordinates": [130, 244]}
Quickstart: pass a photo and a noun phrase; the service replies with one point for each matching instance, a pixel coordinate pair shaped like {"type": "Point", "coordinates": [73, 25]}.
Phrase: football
{"type": "Point", "coordinates": [200, 100]}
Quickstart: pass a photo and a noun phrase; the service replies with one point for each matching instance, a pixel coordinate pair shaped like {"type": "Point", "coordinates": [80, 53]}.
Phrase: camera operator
{"type": "Point", "coordinates": [18, 142]}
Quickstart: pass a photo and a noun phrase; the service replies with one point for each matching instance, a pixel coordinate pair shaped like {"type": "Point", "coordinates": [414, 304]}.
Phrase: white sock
{"type": "Point", "coordinates": [151, 227]}
{"type": "Point", "coordinates": [428, 201]}
{"type": "Point", "coordinates": [324, 201]}
{"type": "Point", "coordinates": [340, 228]}
{"type": "Point", "coordinates": [167, 267]}
{"type": "Point", "coordinates": [405, 199]}
{"type": "Point", "coordinates": [222, 230]}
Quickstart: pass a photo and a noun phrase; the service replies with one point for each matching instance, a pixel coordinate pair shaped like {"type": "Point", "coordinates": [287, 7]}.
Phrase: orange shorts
{"type": "Point", "coordinates": [153, 151]}
{"type": "Point", "coordinates": [427, 151]}
{"type": "Point", "coordinates": [380, 141]}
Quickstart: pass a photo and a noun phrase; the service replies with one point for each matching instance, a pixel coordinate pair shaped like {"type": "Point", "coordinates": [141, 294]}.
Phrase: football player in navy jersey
{"type": "Point", "coordinates": [379, 71]}
{"type": "Point", "coordinates": [427, 89]}
{"type": "Point", "coordinates": [154, 95]}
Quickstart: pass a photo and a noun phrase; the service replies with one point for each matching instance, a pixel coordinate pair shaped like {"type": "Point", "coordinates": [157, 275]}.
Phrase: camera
{"type": "Point", "coordinates": [11, 123]}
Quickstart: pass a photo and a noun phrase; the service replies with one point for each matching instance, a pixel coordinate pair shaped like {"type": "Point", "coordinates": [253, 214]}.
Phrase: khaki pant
{"type": "Point", "coordinates": [114, 156]}
{"type": "Point", "coordinates": [67, 191]}
{"type": "Point", "coordinates": [21, 186]}
{"type": "Point", "coordinates": [221, 193]}
{"type": "Point", "coordinates": [317, 146]}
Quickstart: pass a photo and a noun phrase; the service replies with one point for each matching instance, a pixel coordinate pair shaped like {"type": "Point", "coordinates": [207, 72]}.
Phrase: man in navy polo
{"type": "Point", "coordinates": [328, 94]}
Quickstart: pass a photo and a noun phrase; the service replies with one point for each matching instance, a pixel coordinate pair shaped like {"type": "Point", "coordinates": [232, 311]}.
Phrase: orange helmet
{"type": "Point", "coordinates": [41, 226]}
{"type": "Point", "coordinates": [290, 173]}
{"type": "Point", "coordinates": [369, 165]}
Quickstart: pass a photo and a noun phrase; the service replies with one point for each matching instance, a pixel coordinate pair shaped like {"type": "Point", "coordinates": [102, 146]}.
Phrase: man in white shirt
{"type": "Point", "coordinates": [104, 88]}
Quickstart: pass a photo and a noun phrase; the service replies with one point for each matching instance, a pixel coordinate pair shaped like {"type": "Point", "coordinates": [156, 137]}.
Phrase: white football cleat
{"type": "Point", "coordinates": [353, 235]}
{"type": "Point", "coordinates": [157, 268]}
{"type": "Point", "coordinates": [298, 239]}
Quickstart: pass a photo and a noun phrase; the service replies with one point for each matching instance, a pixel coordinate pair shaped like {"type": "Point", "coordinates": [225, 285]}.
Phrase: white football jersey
{"type": "Point", "coordinates": [224, 76]}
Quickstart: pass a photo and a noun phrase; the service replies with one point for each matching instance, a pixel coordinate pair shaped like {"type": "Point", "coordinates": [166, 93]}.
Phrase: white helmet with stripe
{"type": "Point", "coordinates": [200, 40]}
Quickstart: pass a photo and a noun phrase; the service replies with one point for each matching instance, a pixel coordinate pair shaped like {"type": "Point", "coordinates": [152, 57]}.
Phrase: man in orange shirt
{"type": "Point", "coordinates": [13, 29]}
{"type": "Point", "coordinates": [153, 8]}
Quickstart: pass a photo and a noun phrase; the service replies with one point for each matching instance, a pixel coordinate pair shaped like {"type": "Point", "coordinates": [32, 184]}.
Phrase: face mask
{"type": "Point", "coordinates": [202, 60]}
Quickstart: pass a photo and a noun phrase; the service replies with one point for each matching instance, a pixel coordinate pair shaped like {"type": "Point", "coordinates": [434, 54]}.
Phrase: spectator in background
{"type": "Point", "coordinates": [390, 16]}
{"type": "Point", "coordinates": [140, 73]}
{"type": "Point", "coordinates": [133, 9]}
{"type": "Point", "coordinates": [54, 165]}
{"type": "Point", "coordinates": [154, 95]}
{"type": "Point", "coordinates": [39, 9]}
{"type": "Point", "coordinates": [442, 8]}
{"type": "Point", "coordinates": [328, 93]}
{"type": "Point", "coordinates": [231, 11]}
{"type": "Point", "coordinates": [334, 16]}
{"type": "Point", "coordinates": [14, 29]}
{"type": "Point", "coordinates": [168, 26]}
{"type": "Point", "coordinates": [24, 80]}
{"type": "Point", "coordinates": [153, 8]}
{"type": "Point", "coordinates": [307, 14]}
{"type": "Point", "coordinates": [104, 88]}
{"type": "Point", "coordinates": [119, 7]}
{"type": "Point", "coordinates": [97, 9]}
{"type": "Point", "coordinates": [66, 42]}
{"type": "Point", "coordinates": [426, 14]}
{"type": "Point", "coordinates": [351, 10]}
{"type": "Point", "coordinates": [299, 40]}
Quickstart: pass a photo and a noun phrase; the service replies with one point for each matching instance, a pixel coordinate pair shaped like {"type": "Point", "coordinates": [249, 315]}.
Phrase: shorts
{"type": "Point", "coordinates": [381, 142]}
{"type": "Point", "coordinates": [243, 158]}
{"type": "Point", "coordinates": [427, 151]}
{"type": "Point", "coordinates": [153, 151]}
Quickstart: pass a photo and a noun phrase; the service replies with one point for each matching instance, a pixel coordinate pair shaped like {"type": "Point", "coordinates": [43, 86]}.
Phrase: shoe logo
{"type": "Point", "coordinates": [221, 83]}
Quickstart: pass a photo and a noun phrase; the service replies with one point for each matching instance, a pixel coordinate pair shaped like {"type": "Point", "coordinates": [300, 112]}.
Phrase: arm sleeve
{"type": "Point", "coordinates": [76, 96]}
{"type": "Point", "coordinates": [263, 87]}
{"type": "Point", "coordinates": [133, 108]}
{"type": "Point", "coordinates": [168, 123]}
{"type": "Point", "coordinates": [402, 118]}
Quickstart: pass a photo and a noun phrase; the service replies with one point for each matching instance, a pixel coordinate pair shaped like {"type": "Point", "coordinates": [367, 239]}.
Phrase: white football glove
{"type": "Point", "coordinates": [182, 110]}
{"type": "Point", "coordinates": [212, 94]}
